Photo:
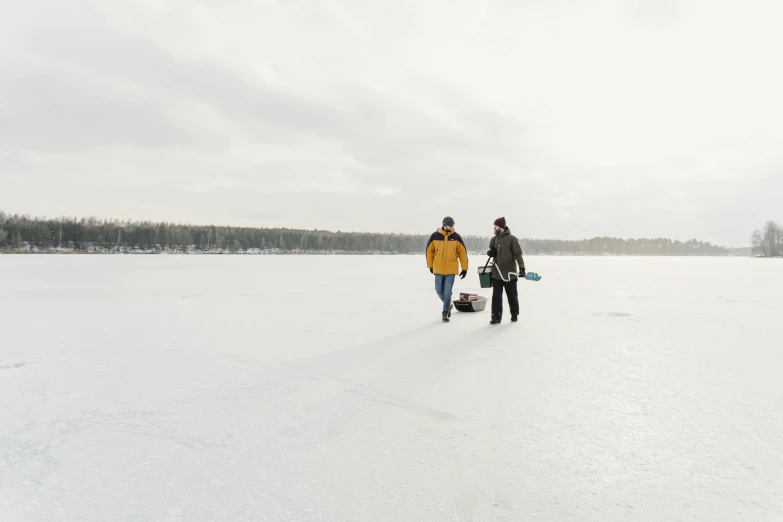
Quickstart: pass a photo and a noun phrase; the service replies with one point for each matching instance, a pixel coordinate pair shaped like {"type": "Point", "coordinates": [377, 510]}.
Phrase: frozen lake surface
{"type": "Point", "coordinates": [232, 388]}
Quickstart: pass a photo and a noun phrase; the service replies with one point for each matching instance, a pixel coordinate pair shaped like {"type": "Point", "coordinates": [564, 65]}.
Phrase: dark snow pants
{"type": "Point", "coordinates": [497, 297]}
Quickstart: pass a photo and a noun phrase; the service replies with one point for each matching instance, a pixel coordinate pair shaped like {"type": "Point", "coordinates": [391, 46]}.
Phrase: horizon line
{"type": "Point", "coordinates": [129, 221]}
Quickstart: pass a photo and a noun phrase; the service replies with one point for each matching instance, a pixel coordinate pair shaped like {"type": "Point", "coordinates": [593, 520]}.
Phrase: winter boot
{"type": "Point", "coordinates": [446, 317]}
{"type": "Point", "coordinates": [495, 320]}
{"type": "Point", "coordinates": [513, 318]}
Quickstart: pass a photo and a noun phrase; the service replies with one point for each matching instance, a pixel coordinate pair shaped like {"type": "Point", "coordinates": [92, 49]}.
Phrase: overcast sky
{"type": "Point", "coordinates": [571, 118]}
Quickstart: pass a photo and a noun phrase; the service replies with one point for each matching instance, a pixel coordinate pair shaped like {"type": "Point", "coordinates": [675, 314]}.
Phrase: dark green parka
{"type": "Point", "coordinates": [507, 253]}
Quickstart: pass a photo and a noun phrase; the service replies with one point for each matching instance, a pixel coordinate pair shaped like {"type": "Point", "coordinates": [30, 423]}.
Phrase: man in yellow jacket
{"type": "Point", "coordinates": [446, 252]}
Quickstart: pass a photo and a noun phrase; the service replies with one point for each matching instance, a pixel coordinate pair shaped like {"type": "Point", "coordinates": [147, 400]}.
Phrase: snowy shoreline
{"type": "Point", "coordinates": [321, 253]}
{"type": "Point", "coordinates": [190, 251]}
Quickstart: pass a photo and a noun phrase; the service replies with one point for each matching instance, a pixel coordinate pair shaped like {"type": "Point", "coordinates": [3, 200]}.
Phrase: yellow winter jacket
{"type": "Point", "coordinates": [446, 252]}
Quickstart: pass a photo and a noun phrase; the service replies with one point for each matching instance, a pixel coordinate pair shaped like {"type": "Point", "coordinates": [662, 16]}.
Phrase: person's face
{"type": "Point", "coordinates": [448, 228]}
{"type": "Point", "coordinates": [497, 229]}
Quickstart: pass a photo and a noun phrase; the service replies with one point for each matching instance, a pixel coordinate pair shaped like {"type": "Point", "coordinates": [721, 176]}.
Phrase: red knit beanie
{"type": "Point", "coordinates": [500, 222]}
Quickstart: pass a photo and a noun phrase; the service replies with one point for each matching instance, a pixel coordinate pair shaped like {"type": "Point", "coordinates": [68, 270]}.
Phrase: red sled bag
{"type": "Point", "coordinates": [468, 297]}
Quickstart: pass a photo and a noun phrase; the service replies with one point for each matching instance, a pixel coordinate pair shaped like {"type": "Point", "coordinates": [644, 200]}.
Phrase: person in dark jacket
{"type": "Point", "coordinates": [508, 267]}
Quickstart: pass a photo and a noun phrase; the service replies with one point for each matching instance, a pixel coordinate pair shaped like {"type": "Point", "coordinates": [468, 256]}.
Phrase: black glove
{"type": "Point", "coordinates": [463, 274]}
{"type": "Point", "coordinates": [431, 272]}
{"type": "Point", "coordinates": [492, 252]}
{"type": "Point", "coordinates": [522, 274]}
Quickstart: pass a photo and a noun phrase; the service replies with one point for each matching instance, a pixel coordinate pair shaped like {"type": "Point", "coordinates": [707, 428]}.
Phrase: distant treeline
{"type": "Point", "coordinates": [768, 242]}
{"type": "Point", "coordinates": [630, 247]}
{"type": "Point", "coordinates": [24, 233]}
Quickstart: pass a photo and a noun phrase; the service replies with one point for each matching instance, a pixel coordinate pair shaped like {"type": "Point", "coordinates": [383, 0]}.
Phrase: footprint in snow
{"type": "Point", "coordinates": [13, 365]}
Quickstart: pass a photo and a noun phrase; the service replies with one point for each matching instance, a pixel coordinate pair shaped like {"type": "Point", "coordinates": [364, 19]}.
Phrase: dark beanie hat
{"type": "Point", "coordinates": [500, 222]}
{"type": "Point", "coordinates": [448, 222]}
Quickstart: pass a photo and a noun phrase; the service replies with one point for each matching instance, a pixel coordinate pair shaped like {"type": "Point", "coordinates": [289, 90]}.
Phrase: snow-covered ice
{"type": "Point", "coordinates": [236, 388]}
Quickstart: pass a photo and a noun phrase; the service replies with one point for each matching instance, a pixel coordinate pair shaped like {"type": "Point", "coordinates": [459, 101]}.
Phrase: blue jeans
{"type": "Point", "coordinates": [444, 285]}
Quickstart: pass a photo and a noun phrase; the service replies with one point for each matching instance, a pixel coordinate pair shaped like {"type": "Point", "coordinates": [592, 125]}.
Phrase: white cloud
{"type": "Point", "coordinates": [385, 191]}
{"type": "Point", "coordinates": [213, 185]}
{"type": "Point", "coordinates": [146, 106]}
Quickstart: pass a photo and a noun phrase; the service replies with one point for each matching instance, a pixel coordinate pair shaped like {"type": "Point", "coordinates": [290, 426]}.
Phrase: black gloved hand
{"type": "Point", "coordinates": [463, 274]}
{"type": "Point", "coordinates": [492, 252]}
{"type": "Point", "coordinates": [431, 272]}
{"type": "Point", "coordinates": [522, 274]}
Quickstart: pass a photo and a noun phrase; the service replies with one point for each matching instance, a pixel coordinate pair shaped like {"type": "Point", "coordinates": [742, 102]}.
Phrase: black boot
{"type": "Point", "coordinates": [451, 306]}
{"type": "Point", "coordinates": [513, 318]}
{"type": "Point", "coordinates": [446, 317]}
{"type": "Point", "coordinates": [495, 320]}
